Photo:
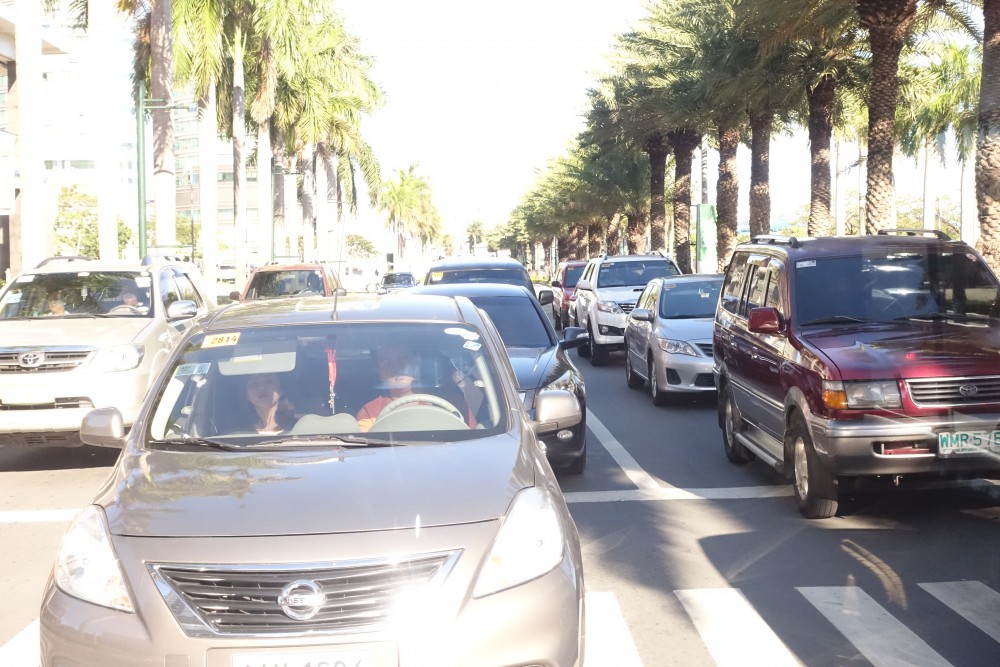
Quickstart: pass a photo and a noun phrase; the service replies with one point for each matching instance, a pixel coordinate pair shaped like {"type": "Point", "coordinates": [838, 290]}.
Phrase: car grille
{"type": "Point", "coordinates": [706, 349]}
{"type": "Point", "coordinates": [243, 600]}
{"type": "Point", "coordinates": [704, 380]}
{"type": "Point", "coordinates": [626, 307]}
{"type": "Point", "coordinates": [940, 392]}
{"type": "Point", "coordinates": [55, 360]}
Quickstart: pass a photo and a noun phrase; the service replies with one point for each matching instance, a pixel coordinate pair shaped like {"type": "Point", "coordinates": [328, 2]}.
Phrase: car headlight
{"type": "Point", "coordinates": [609, 307]}
{"type": "Point", "coordinates": [862, 395]}
{"type": "Point", "coordinates": [117, 358]}
{"type": "Point", "coordinates": [86, 566]}
{"type": "Point", "coordinates": [565, 381]}
{"type": "Point", "coordinates": [676, 347]}
{"type": "Point", "coordinates": [529, 544]}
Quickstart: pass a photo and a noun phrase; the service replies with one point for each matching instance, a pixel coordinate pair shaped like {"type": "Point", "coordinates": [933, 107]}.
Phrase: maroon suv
{"type": "Point", "coordinates": [564, 286]}
{"type": "Point", "coordinates": [841, 358]}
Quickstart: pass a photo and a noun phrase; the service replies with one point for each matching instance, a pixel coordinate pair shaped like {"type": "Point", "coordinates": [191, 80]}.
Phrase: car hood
{"type": "Point", "coordinates": [910, 350]}
{"type": "Point", "coordinates": [687, 329]}
{"type": "Point", "coordinates": [627, 294]}
{"type": "Point", "coordinates": [156, 493]}
{"type": "Point", "coordinates": [532, 365]}
{"type": "Point", "coordinates": [88, 331]}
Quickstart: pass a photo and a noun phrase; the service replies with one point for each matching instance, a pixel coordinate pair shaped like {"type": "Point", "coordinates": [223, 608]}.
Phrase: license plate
{"type": "Point", "coordinates": [310, 659]}
{"type": "Point", "coordinates": [968, 442]}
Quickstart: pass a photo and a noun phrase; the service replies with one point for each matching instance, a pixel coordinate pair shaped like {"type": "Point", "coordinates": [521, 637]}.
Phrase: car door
{"type": "Point", "coordinates": [639, 332]}
{"type": "Point", "coordinates": [585, 297]}
{"type": "Point", "coordinates": [741, 343]}
{"type": "Point", "coordinates": [766, 355]}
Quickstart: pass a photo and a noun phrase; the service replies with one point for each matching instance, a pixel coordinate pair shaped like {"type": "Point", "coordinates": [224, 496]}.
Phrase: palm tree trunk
{"type": "Point", "coordinates": [208, 194]}
{"type": "Point", "coordinates": [683, 143]}
{"type": "Point", "coordinates": [161, 79]}
{"type": "Point", "coordinates": [821, 98]}
{"type": "Point", "coordinates": [727, 193]}
{"type": "Point", "coordinates": [306, 166]}
{"type": "Point", "coordinates": [839, 203]}
{"type": "Point", "coordinates": [595, 237]}
{"type": "Point", "coordinates": [239, 161]}
{"type": "Point", "coordinates": [988, 143]}
{"type": "Point", "coordinates": [928, 202]}
{"type": "Point", "coordinates": [265, 188]}
{"type": "Point", "coordinates": [635, 232]}
{"type": "Point", "coordinates": [279, 197]}
{"type": "Point", "coordinates": [658, 152]}
{"type": "Point", "coordinates": [760, 161]}
{"type": "Point", "coordinates": [888, 22]}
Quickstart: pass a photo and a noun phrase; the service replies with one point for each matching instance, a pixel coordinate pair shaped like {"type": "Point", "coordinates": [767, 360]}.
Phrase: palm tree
{"type": "Point", "coordinates": [988, 144]}
{"type": "Point", "coordinates": [405, 201]}
{"type": "Point", "coordinates": [474, 231]}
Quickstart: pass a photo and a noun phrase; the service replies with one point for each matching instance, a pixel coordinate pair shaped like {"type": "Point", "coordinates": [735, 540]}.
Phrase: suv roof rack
{"type": "Point", "coordinates": [776, 239]}
{"type": "Point", "coordinates": [63, 258]}
{"type": "Point", "coordinates": [914, 232]}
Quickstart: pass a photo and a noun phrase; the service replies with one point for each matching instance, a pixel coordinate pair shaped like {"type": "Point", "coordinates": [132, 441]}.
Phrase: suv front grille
{"type": "Point", "coordinates": [55, 360]}
{"type": "Point", "coordinates": [626, 307]}
{"type": "Point", "coordinates": [943, 392]}
{"type": "Point", "coordinates": [243, 600]}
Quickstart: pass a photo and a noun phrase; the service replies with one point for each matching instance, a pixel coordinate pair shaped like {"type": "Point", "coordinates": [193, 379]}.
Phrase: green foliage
{"type": "Point", "coordinates": [76, 224]}
{"type": "Point", "coordinates": [359, 246]}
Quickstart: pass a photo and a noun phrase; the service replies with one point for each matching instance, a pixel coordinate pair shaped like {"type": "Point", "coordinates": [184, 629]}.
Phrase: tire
{"type": "Point", "coordinates": [815, 487]}
{"type": "Point", "coordinates": [730, 420]}
{"type": "Point", "coordinates": [598, 353]}
{"type": "Point", "coordinates": [631, 379]}
{"type": "Point", "coordinates": [584, 350]}
{"type": "Point", "coordinates": [557, 320]}
{"type": "Point", "coordinates": [659, 397]}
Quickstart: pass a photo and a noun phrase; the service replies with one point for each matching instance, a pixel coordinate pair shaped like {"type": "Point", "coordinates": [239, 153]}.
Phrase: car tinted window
{"type": "Point", "coordinates": [621, 274]}
{"type": "Point", "coordinates": [516, 318]}
{"type": "Point", "coordinates": [572, 275]}
{"type": "Point", "coordinates": [271, 284]}
{"type": "Point", "coordinates": [483, 275]}
{"type": "Point", "coordinates": [82, 292]}
{"type": "Point", "coordinates": [689, 300]}
{"type": "Point", "coordinates": [733, 289]}
{"type": "Point", "coordinates": [186, 288]}
{"type": "Point", "coordinates": [773, 297]}
{"type": "Point", "coordinates": [756, 290]}
{"type": "Point", "coordinates": [356, 368]}
{"type": "Point", "coordinates": [398, 279]}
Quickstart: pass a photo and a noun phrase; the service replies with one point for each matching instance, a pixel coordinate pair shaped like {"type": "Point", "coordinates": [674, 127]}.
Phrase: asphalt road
{"type": "Point", "coordinates": [689, 560]}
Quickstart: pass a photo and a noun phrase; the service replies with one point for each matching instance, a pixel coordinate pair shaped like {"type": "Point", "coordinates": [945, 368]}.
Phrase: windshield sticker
{"type": "Point", "coordinates": [25, 279]}
{"type": "Point", "coordinates": [464, 333]}
{"type": "Point", "coordinates": [470, 345]}
{"type": "Point", "coordinates": [143, 281]}
{"type": "Point", "coordinates": [192, 369]}
{"type": "Point", "coordinates": [806, 263]}
{"type": "Point", "coordinates": [221, 340]}
{"type": "Point", "coordinates": [436, 276]}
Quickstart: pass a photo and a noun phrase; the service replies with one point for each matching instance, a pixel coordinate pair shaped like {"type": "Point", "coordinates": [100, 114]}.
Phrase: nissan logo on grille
{"type": "Point", "coordinates": [31, 359]}
{"type": "Point", "coordinates": [301, 599]}
{"type": "Point", "coordinates": [968, 390]}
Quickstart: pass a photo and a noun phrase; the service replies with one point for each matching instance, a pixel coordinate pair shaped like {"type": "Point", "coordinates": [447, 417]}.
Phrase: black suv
{"type": "Point", "coordinates": [838, 359]}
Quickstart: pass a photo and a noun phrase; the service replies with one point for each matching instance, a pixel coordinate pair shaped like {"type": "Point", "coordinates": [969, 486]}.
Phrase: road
{"type": "Point", "coordinates": [689, 560]}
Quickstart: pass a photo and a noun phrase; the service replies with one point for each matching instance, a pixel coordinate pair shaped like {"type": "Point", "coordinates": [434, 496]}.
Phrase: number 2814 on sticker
{"type": "Point", "coordinates": [221, 340]}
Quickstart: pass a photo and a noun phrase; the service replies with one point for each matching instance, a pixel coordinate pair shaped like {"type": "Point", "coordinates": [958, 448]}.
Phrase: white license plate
{"type": "Point", "coordinates": [310, 659]}
{"type": "Point", "coordinates": [968, 442]}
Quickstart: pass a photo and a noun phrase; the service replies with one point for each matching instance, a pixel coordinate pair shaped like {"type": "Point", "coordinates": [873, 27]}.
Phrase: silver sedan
{"type": "Point", "coordinates": [668, 336]}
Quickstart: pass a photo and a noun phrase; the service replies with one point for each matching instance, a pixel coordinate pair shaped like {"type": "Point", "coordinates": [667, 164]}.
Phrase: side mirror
{"type": "Point", "coordinates": [545, 297]}
{"type": "Point", "coordinates": [340, 291]}
{"type": "Point", "coordinates": [556, 409]}
{"type": "Point", "coordinates": [583, 284]}
{"type": "Point", "coordinates": [235, 296]}
{"type": "Point", "coordinates": [181, 310]}
{"type": "Point", "coordinates": [103, 427]}
{"type": "Point", "coordinates": [556, 283]}
{"type": "Point", "coordinates": [642, 315]}
{"type": "Point", "coordinates": [765, 321]}
{"type": "Point", "coordinates": [573, 337]}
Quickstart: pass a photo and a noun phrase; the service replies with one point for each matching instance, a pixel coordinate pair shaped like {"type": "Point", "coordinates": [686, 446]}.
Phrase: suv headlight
{"type": "Point", "coordinates": [862, 395]}
{"type": "Point", "coordinates": [609, 307]}
{"type": "Point", "coordinates": [528, 545]}
{"type": "Point", "coordinates": [117, 358]}
{"type": "Point", "coordinates": [86, 566]}
{"type": "Point", "coordinates": [676, 347]}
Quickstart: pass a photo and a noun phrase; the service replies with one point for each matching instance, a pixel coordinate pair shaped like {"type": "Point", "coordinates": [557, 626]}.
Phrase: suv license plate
{"type": "Point", "coordinates": [311, 659]}
{"type": "Point", "coordinates": [968, 442]}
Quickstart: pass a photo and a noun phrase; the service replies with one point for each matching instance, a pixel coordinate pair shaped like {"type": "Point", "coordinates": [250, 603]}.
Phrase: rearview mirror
{"type": "Point", "coordinates": [545, 297]}
{"type": "Point", "coordinates": [573, 337]}
{"type": "Point", "coordinates": [556, 409]}
{"type": "Point", "coordinates": [103, 427]}
{"type": "Point", "coordinates": [642, 315]}
{"type": "Point", "coordinates": [765, 321]}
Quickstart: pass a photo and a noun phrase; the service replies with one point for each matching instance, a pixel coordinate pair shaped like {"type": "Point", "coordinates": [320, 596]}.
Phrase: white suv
{"type": "Point", "coordinates": [81, 334]}
{"type": "Point", "coordinates": [606, 294]}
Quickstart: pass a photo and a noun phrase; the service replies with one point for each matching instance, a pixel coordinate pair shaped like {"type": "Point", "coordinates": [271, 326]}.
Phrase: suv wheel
{"type": "Point", "coordinates": [815, 487]}
{"type": "Point", "coordinates": [631, 379]}
{"type": "Point", "coordinates": [731, 425]}
{"type": "Point", "coordinates": [556, 320]}
{"type": "Point", "coordinates": [659, 397]}
{"type": "Point", "coordinates": [584, 350]}
{"type": "Point", "coordinates": [598, 353]}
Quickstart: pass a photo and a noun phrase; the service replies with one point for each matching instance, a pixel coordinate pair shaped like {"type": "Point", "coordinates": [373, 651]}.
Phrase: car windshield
{"type": "Point", "coordinates": [633, 273]}
{"type": "Point", "coordinates": [573, 274]}
{"type": "Point", "coordinates": [78, 294]}
{"type": "Point", "coordinates": [517, 320]}
{"type": "Point", "coordinates": [348, 383]}
{"type": "Point", "coordinates": [395, 279]}
{"type": "Point", "coordinates": [689, 300]}
{"type": "Point", "coordinates": [478, 275]}
{"type": "Point", "coordinates": [894, 285]}
{"type": "Point", "coordinates": [272, 284]}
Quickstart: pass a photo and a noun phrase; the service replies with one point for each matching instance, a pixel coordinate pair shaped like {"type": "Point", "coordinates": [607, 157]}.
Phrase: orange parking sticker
{"type": "Point", "coordinates": [221, 340]}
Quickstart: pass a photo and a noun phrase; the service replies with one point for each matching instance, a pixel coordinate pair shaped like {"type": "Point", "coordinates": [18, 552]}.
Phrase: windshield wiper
{"type": "Point", "coordinates": [318, 440]}
{"type": "Point", "coordinates": [837, 319]}
{"type": "Point", "coordinates": [196, 442]}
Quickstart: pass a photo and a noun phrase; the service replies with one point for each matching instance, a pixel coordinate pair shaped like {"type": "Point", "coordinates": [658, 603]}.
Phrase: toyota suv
{"type": "Point", "coordinates": [606, 293]}
{"type": "Point", "coordinates": [844, 359]}
{"type": "Point", "coordinates": [79, 334]}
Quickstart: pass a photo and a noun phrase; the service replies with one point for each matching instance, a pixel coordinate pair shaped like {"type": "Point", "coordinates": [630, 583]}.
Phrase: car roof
{"type": "Point", "coordinates": [73, 266]}
{"type": "Point", "coordinates": [299, 266]}
{"type": "Point", "coordinates": [476, 263]}
{"type": "Point", "coordinates": [692, 278]}
{"type": "Point", "coordinates": [575, 262]}
{"type": "Point", "coordinates": [833, 246]}
{"type": "Point", "coordinates": [628, 258]}
{"type": "Point", "coordinates": [472, 289]}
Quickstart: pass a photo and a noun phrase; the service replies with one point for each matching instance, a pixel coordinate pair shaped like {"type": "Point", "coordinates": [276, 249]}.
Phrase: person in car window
{"type": "Point", "coordinates": [398, 370]}
{"type": "Point", "coordinates": [130, 299]}
{"type": "Point", "coordinates": [56, 304]}
{"type": "Point", "coordinates": [272, 413]}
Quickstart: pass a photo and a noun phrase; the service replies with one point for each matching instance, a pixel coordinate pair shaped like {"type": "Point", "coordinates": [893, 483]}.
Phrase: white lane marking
{"type": "Point", "coordinates": [37, 516]}
{"type": "Point", "coordinates": [609, 642]}
{"type": "Point", "coordinates": [732, 630]}
{"type": "Point", "coordinates": [22, 649]}
{"type": "Point", "coordinates": [880, 637]}
{"type": "Point", "coordinates": [642, 479]}
{"type": "Point", "coordinates": [972, 600]}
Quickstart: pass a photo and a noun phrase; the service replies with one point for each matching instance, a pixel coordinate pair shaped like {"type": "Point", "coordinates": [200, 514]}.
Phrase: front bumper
{"type": "Point", "coordinates": [862, 447]}
{"type": "Point", "coordinates": [563, 452]}
{"type": "Point", "coordinates": [608, 329]}
{"type": "Point", "coordinates": [683, 373]}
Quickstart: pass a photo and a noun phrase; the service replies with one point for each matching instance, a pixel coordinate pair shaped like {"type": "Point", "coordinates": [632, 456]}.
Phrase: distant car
{"type": "Point", "coordinates": [539, 359]}
{"type": "Point", "coordinates": [227, 273]}
{"type": "Point", "coordinates": [394, 281]}
{"type": "Point", "coordinates": [563, 289]}
{"type": "Point", "coordinates": [668, 337]}
{"type": "Point", "coordinates": [281, 280]}
{"type": "Point", "coordinates": [423, 541]}
{"type": "Point", "coordinates": [504, 270]}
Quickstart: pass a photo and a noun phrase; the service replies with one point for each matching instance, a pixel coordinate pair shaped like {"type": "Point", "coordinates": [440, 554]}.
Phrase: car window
{"type": "Point", "coordinates": [516, 318]}
{"type": "Point", "coordinates": [629, 273]}
{"type": "Point", "coordinates": [689, 300]}
{"type": "Point", "coordinates": [273, 284]}
{"type": "Point", "coordinates": [645, 299]}
{"type": "Point", "coordinates": [755, 293]}
{"type": "Point", "coordinates": [168, 288]}
{"type": "Point", "coordinates": [397, 279]}
{"type": "Point", "coordinates": [572, 275]}
{"type": "Point", "coordinates": [773, 297]}
{"type": "Point", "coordinates": [186, 288]}
{"type": "Point", "coordinates": [733, 288]}
{"type": "Point", "coordinates": [83, 293]}
{"type": "Point", "coordinates": [332, 379]}
{"type": "Point", "coordinates": [479, 275]}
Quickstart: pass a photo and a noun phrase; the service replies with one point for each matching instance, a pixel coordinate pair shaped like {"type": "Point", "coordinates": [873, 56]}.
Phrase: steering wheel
{"type": "Point", "coordinates": [124, 308]}
{"type": "Point", "coordinates": [429, 399]}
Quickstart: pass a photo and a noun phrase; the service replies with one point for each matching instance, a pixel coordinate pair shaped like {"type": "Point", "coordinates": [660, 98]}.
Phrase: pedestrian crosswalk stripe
{"type": "Point", "coordinates": [876, 633]}
{"type": "Point", "coordinates": [732, 630]}
{"type": "Point", "coordinates": [609, 642]}
{"type": "Point", "coordinates": [972, 600]}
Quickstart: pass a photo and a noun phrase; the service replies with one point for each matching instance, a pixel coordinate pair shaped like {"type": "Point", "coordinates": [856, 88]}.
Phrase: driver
{"type": "Point", "coordinates": [398, 370]}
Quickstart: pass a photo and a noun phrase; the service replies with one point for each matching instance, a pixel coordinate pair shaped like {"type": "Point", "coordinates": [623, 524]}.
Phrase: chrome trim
{"type": "Point", "coordinates": [952, 387]}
